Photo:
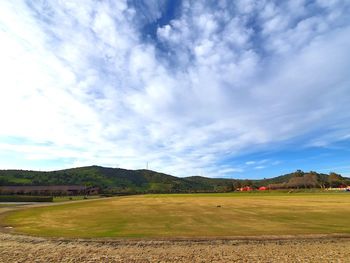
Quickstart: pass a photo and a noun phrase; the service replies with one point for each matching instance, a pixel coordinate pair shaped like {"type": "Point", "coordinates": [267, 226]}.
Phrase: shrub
{"type": "Point", "coordinates": [24, 198]}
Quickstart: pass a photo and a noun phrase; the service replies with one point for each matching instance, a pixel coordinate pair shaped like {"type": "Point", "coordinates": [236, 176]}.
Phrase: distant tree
{"type": "Point", "coordinates": [347, 182]}
{"type": "Point", "coordinates": [248, 182]}
{"type": "Point", "coordinates": [278, 186]}
{"type": "Point", "coordinates": [237, 184]}
{"type": "Point", "coordinates": [335, 176]}
{"type": "Point", "coordinates": [296, 182]}
{"type": "Point", "coordinates": [311, 180]}
{"type": "Point", "coordinates": [308, 180]}
{"type": "Point", "coordinates": [335, 180]}
{"type": "Point", "coordinates": [299, 173]}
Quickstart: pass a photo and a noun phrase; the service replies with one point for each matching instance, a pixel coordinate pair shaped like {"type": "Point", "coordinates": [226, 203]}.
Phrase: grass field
{"type": "Point", "coordinates": [190, 215]}
{"type": "Point", "coordinates": [74, 198]}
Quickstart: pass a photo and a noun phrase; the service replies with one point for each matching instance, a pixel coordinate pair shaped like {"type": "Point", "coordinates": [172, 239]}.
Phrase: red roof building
{"type": "Point", "coordinates": [246, 189]}
{"type": "Point", "coordinates": [263, 188]}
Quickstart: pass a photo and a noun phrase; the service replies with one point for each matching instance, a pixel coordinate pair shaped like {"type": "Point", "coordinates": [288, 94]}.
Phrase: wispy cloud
{"type": "Point", "coordinates": [129, 82]}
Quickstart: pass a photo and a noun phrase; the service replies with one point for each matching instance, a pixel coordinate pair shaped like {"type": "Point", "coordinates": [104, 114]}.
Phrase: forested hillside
{"type": "Point", "coordinates": [115, 180]}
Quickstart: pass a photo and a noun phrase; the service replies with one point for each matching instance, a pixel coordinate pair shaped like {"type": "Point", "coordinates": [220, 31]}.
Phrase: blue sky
{"type": "Point", "coordinates": [241, 89]}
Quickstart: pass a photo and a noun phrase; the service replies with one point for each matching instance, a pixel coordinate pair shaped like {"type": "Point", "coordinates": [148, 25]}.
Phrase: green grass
{"type": "Point", "coordinates": [190, 215]}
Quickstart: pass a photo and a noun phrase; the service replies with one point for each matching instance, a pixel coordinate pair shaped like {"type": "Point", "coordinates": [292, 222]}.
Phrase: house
{"type": "Point", "coordinates": [246, 189]}
{"type": "Point", "coordinates": [263, 188]}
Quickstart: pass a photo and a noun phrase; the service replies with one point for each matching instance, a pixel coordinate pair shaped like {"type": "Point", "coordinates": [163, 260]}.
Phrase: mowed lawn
{"type": "Point", "coordinates": [189, 215]}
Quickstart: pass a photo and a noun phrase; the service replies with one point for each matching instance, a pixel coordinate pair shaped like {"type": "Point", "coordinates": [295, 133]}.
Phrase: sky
{"type": "Point", "coordinates": [235, 89]}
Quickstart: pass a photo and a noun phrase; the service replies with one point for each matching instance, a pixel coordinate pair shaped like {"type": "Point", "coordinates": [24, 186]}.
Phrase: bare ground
{"type": "Point", "coordinates": [16, 248]}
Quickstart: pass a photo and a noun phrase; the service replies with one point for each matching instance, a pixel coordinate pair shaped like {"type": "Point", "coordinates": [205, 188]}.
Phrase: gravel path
{"type": "Point", "coordinates": [14, 248]}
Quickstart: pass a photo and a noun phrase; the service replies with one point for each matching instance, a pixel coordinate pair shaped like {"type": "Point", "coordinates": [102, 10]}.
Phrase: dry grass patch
{"type": "Point", "coordinates": [189, 216]}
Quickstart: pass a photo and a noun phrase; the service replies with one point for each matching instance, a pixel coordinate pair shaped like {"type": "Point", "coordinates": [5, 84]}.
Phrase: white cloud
{"type": "Point", "coordinates": [260, 167]}
{"type": "Point", "coordinates": [227, 79]}
{"type": "Point", "coordinates": [230, 170]}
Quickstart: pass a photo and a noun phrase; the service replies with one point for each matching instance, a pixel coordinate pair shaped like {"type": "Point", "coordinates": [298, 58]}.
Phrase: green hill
{"type": "Point", "coordinates": [116, 180]}
{"type": "Point", "coordinates": [110, 180]}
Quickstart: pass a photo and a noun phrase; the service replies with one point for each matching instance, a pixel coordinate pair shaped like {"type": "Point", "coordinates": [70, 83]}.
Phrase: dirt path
{"type": "Point", "coordinates": [15, 248]}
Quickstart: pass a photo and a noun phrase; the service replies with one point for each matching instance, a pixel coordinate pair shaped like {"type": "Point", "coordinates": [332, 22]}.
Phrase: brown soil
{"type": "Point", "coordinates": [16, 248]}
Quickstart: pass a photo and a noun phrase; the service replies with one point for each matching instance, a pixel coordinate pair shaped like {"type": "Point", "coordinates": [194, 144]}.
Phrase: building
{"type": "Point", "coordinates": [246, 189]}
{"type": "Point", "coordinates": [263, 188]}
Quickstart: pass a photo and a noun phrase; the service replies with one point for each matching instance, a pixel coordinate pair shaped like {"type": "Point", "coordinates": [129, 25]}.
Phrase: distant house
{"type": "Point", "coordinates": [49, 190]}
{"type": "Point", "coordinates": [263, 188]}
{"type": "Point", "coordinates": [246, 189]}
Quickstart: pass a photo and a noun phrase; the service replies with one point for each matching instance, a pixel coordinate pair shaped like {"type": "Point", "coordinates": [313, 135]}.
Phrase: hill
{"type": "Point", "coordinates": [110, 180]}
{"type": "Point", "coordinates": [116, 180]}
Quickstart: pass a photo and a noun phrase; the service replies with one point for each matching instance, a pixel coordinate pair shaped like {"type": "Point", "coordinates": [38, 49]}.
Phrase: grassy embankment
{"type": "Point", "coordinates": [190, 215]}
{"type": "Point", "coordinates": [25, 198]}
{"type": "Point", "coordinates": [58, 199]}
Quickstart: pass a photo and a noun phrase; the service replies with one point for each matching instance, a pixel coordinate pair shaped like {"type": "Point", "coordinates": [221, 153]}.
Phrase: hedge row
{"type": "Point", "coordinates": [25, 198]}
